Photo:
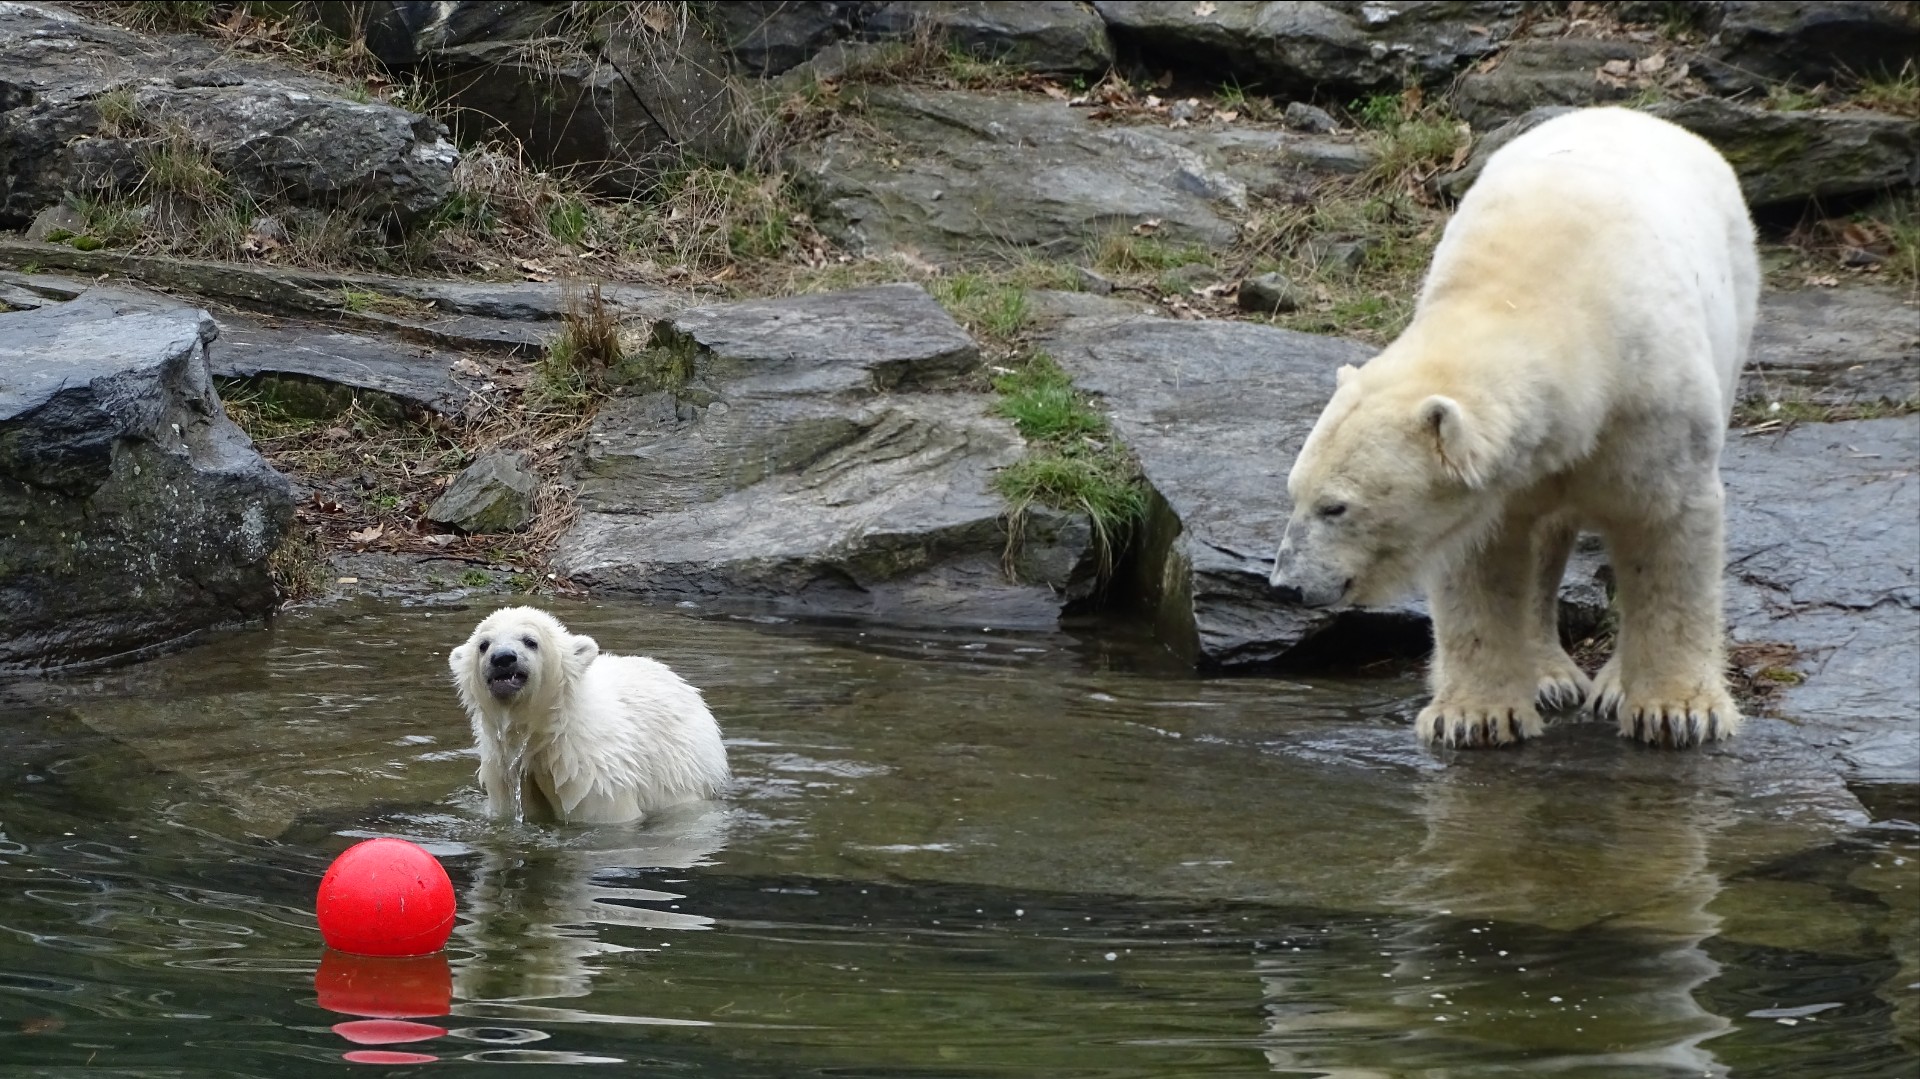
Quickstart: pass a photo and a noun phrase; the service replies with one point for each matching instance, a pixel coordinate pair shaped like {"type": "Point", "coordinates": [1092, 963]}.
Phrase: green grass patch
{"type": "Point", "coordinates": [1073, 461]}
{"type": "Point", "coordinates": [1125, 253]}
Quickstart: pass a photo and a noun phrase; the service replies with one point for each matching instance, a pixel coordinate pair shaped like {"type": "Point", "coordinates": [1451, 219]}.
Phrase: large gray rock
{"type": "Point", "coordinates": [133, 513]}
{"type": "Point", "coordinates": [1314, 48]}
{"type": "Point", "coordinates": [494, 494]}
{"type": "Point", "coordinates": [616, 115]}
{"type": "Point", "coordinates": [1782, 158]}
{"type": "Point", "coordinates": [1840, 346]}
{"type": "Point", "coordinates": [1215, 412]}
{"type": "Point", "coordinates": [1051, 37]}
{"type": "Point", "coordinates": [768, 37]}
{"type": "Point", "coordinates": [958, 174]}
{"type": "Point", "coordinates": [83, 107]}
{"type": "Point", "coordinates": [1551, 71]}
{"type": "Point", "coordinates": [1809, 41]}
{"type": "Point", "coordinates": [1823, 553]}
{"type": "Point", "coordinates": [801, 467]}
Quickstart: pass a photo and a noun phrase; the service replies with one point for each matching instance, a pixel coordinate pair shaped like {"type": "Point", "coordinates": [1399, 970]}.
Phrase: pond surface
{"type": "Point", "coordinates": [958, 854]}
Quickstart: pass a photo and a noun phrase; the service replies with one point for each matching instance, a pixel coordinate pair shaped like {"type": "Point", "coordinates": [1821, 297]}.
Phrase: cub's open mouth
{"type": "Point", "coordinates": [506, 685]}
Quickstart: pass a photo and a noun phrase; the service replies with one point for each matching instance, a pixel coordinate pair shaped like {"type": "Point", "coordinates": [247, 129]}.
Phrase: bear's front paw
{"type": "Point", "coordinates": [1457, 722]}
{"type": "Point", "coordinates": [1677, 720]}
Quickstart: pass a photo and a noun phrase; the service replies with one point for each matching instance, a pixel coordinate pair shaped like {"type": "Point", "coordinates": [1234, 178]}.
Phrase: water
{"type": "Point", "coordinates": [958, 854]}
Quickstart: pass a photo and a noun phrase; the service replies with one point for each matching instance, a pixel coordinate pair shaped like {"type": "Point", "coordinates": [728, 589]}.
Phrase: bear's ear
{"type": "Point", "coordinates": [1344, 375]}
{"type": "Point", "coordinates": [581, 651]}
{"type": "Point", "coordinates": [1462, 450]}
{"type": "Point", "coordinates": [457, 659]}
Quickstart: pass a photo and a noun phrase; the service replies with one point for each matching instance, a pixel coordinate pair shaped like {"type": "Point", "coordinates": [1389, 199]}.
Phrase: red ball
{"type": "Point", "coordinates": [385, 897]}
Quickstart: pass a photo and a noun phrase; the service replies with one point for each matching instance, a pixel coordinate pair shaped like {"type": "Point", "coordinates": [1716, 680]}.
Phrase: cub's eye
{"type": "Point", "coordinates": [1331, 510]}
{"type": "Point", "coordinates": [483, 646]}
{"type": "Point", "coordinates": [532, 645]}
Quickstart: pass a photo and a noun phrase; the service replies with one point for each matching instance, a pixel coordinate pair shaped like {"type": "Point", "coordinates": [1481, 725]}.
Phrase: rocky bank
{"type": "Point", "coordinates": [834, 454]}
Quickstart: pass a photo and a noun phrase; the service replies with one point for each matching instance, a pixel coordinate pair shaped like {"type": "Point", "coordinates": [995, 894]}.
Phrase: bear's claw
{"type": "Point", "coordinates": [1680, 722]}
{"type": "Point", "coordinates": [1477, 727]}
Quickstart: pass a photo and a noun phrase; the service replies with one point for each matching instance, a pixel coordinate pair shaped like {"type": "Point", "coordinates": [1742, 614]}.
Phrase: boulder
{"type": "Point", "coordinates": [617, 114]}
{"type": "Point", "coordinates": [1310, 49]}
{"type": "Point", "coordinates": [955, 174]}
{"type": "Point", "coordinates": [815, 460]}
{"type": "Point", "coordinates": [1782, 158]}
{"type": "Point", "coordinates": [1552, 71]}
{"type": "Point", "coordinates": [86, 108]}
{"type": "Point", "coordinates": [495, 493]}
{"type": "Point", "coordinates": [1269, 293]}
{"type": "Point", "coordinates": [768, 37]}
{"type": "Point", "coordinates": [1048, 37]}
{"type": "Point", "coordinates": [1755, 44]}
{"type": "Point", "coordinates": [135, 513]}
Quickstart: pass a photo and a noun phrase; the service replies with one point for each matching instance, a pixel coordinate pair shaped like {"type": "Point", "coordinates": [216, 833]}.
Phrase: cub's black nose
{"type": "Point", "coordinates": [504, 658]}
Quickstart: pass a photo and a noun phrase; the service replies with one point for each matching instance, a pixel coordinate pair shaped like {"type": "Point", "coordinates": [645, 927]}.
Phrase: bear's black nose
{"type": "Point", "coordinates": [503, 658]}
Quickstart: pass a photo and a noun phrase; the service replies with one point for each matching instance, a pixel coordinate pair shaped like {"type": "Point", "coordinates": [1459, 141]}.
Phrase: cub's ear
{"type": "Point", "coordinates": [1344, 375]}
{"type": "Point", "coordinates": [457, 659]}
{"type": "Point", "coordinates": [1462, 447]}
{"type": "Point", "coordinates": [581, 651]}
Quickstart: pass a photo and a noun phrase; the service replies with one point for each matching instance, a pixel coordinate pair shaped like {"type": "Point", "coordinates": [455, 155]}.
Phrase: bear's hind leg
{"type": "Point", "coordinates": [1666, 683]}
{"type": "Point", "coordinates": [1561, 685]}
{"type": "Point", "coordinates": [1486, 673]}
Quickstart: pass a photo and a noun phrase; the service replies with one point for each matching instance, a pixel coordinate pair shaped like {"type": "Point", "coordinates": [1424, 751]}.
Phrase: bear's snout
{"type": "Point", "coordinates": [505, 674]}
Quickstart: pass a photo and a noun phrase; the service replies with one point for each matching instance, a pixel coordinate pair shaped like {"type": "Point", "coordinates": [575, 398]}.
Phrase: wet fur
{"type": "Point", "coordinates": [588, 736]}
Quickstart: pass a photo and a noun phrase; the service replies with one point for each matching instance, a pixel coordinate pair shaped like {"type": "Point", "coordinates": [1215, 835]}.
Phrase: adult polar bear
{"type": "Point", "coordinates": [1571, 363]}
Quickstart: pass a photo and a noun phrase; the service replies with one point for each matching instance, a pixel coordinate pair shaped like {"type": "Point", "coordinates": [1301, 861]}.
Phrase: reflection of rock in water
{"type": "Point", "coordinates": [1559, 934]}
{"type": "Point", "coordinates": [539, 898]}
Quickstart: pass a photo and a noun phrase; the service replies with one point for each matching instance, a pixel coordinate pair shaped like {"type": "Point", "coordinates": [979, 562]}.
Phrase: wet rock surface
{"type": "Point", "coordinates": [84, 106]}
{"type": "Point", "coordinates": [1842, 346]}
{"type": "Point", "coordinates": [812, 463]}
{"type": "Point", "coordinates": [1823, 554]}
{"type": "Point", "coordinates": [136, 514]}
{"type": "Point", "coordinates": [965, 174]}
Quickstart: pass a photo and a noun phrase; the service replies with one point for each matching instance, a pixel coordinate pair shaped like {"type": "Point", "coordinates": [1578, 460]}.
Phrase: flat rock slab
{"type": "Point", "coordinates": [1823, 538]}
{"type": "Point", "coordinates": [955, 174]}
{"type": "Point", "coordinates": [135, 513]}
{"type": "Point", "coordinates": [1837, 346]}
{"type": "Point", "coordinates": [805, 467]}
{"type": "Point", "coordinates": [1215, 412]}
{"type": "Point", "coordinates": [253, 348]}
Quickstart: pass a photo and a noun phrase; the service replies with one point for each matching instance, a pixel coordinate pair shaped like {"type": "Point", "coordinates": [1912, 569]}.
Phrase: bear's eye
{"type": "Point", "coordinates": [483, 645]}
{"type": "Point", "coordinates": [532, 645]}
{"type": "Point", "coordinates": [1330, 510]}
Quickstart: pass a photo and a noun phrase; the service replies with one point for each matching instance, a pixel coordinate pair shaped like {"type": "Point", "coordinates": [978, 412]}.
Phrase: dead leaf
{"type": "Point", "coordinates": [1058, 92]}
{"type": "Point", "coordinates": [1226, 116]}
{"type": "Point", "coordinates": [1822, 281]}
{"type": "Point", "coordinates": [443, 539]}
{"type": "Point", "coordinates": [367, 535]}
{"type": "Point", "coordinates": [535, 271]}
{"type": "Point", "coordinates": [1619, 69]}
{"type": "Point", "coordinates": [1652, 65]}
{"type": "Point", "coordinates": [468, 368]}
{"type": "Point", "coordinates": [657, 17]}
{"type": "Point", "coordinates": [1148, 227]}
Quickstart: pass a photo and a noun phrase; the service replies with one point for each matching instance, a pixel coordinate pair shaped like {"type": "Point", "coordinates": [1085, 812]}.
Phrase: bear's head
{"type": "Point", "coordinates": [1390, 479]}
{"type": "Point", "coordinates": [519, 657]}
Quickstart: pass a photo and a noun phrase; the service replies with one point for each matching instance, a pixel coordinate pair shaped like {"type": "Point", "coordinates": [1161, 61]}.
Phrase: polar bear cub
{"type": "Point", "coordinates": [1570, 364]}
{"type": "Point", "coordinates": [571, 733]}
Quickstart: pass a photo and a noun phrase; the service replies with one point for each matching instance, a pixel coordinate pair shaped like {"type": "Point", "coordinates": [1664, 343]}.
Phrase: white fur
{"type": "Point", "coordinates": [590, 737]}
{"type": "Point", "coordinates": [1571, 364]}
